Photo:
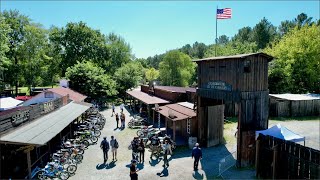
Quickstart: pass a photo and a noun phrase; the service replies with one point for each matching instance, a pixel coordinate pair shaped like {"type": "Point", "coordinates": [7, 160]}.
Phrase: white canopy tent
{"type": "Point", "coordinates": [8, 103]}
{"type": "Point", "coordinates": [281, 132]}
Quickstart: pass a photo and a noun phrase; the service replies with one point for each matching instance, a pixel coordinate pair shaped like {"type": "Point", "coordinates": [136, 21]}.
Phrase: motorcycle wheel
{"type": "Point", "coordinates": [97, 133]}
{"type": "Point", "coordinates": [78, 157]}
{"type": "Point", "coordinates": [72, 168]}
{"type": "Point", "coordinates": [86, 143]}
{"type": "Point", "coordinates": [64, 175]}
{"type": "Point", "coordinates": [139, 133]}
{"type": "Point", "coordinates": [41, 175]}
{"type": "Point", "coordinates": [80, 151]}
{"type": "Point", "coordinates": [94, 139]}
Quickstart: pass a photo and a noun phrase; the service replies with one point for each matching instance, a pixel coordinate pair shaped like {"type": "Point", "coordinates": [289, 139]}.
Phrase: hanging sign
{"type": "Point", "coordinates": [219, 85]}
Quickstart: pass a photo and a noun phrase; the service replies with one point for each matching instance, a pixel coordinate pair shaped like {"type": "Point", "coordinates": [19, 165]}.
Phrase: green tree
{"type": "Point", "coordinates": [231, 48]}
{"type": "Point", "coordinates": [33, 51]}
{"type": "Point", "coordinates": [128, 76]}
{"type": "Point", "coordinates": [78, 42]}
{"type": "Point", "coordinates": [176, 69]}
{"type": "Point", "coordinates": [263, 33]}
{"type": "Point", "coordinates": [223, 39]}
{"type": "Point", "coordinates": [4, 48]}
{"type": "Point", "coordinates": [244, 35]}
{"type": "Point", "coordinates": [91, 80]}
{"type": "Point", "coordinates": [152, 74]}
{"type": "Point", "coordinates": [120, 52]}
{"type": "Point", "coordinates": [199, 50]}
{"type": "Point", "coordinates": [17, 24]}
{"type": "Point", "coordinates": [297, 65]}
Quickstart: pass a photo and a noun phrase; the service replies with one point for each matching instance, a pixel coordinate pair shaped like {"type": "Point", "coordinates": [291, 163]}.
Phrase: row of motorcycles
{"type": "Point", "coordinates": [137, 121]}
{"type": "Point", "coordinates": [65, 160]}
{"type": "Point", "coordinates": [149, 133]}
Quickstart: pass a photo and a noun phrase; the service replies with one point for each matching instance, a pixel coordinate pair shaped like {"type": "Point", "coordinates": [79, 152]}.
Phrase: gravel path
{"type": "Point", "coordinates": [181, 164]}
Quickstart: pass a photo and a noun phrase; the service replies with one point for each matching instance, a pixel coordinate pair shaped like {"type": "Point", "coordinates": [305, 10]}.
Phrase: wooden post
{"type": "Point", "coordinates": [275, 157]}
{"type": "Point", "coordinates": [174, 130]}
{"type": "Point", "coordinates": [239, 134]}
{"type": "Point", "coordinates": [29, 164]}
{"type": "Point", "coordinates": [149, 115]}
{"type": "Point", "coordinates": [258, 159]}
{"type": "Point", "coordinates": [166, 120]}
{"type": "Point", "coordinates": [154, 116]}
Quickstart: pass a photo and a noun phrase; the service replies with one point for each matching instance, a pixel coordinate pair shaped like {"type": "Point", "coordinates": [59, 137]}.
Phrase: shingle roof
{"type": "Point", "coordinates": [73, 95]}
{"type": "Point", "coordinates": [180, 112]}
{"type": "Point", "coordinates": [235, 57]}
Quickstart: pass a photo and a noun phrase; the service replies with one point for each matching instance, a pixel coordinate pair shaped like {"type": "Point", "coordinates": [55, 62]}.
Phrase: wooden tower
{"type": "Point", "coordinates": [242, 79]}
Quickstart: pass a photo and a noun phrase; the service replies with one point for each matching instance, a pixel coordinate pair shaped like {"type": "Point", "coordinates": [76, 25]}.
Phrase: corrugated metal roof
{"type": "Point", "coordinates": [296, 97]}
{"type": "Point", "coordinates": [176, 89]}
{"type": "Point", "coordinates": [186, 104]}
{"type": "Point", "coordinates": [235, 57]}
{"type": "Point", "coordinates": [146, 98]}
{"type": "Point", "coordinates": [45, 128]}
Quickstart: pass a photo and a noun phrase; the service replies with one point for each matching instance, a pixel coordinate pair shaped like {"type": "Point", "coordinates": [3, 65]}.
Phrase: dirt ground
{"type": "Point", "coordinates": [181, 164]}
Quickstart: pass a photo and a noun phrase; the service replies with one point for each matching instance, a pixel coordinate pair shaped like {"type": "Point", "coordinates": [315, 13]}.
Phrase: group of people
{"type": "Point", "coordinates": [122, 117]}
{"type": "Point", "coordinates": [105, 146]}
{"type": "Point", "coordinates": [137, 146]}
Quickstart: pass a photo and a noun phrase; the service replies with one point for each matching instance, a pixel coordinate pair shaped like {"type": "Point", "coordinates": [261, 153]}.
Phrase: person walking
{"type": "Point", "coordinates": [197, 155]}
{"type": "Point", "coordinates": [135, 145]}
{"type": "Point", "coordinates": [133, 170]}
{"type": "Point", "coordinates": [141, 150]}
{"type": "Point", "coordinates": [167, 150]}
{"type": "Point", "coordinates": [117, 119]}
{"type": "Point", "coordinates": [121, 107]}
{"type": "Point", "coordinates": [113, 110]}
{"type": "Point", "coordinates": [123, 120]}
{"type": "Point", "coordinates": [105, 148]}
{"type": "Point", "coordinates": [114, 146]}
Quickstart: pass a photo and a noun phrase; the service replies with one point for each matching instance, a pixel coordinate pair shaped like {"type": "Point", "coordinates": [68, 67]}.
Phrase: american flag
{"type": "Point", "coordinates": [224, 13]}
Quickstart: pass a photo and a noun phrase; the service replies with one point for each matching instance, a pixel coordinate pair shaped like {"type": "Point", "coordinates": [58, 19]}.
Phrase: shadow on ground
{"type": "Point", "coordinates": [164, 172]}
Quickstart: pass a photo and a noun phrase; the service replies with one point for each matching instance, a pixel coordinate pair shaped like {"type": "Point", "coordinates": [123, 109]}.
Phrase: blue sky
{"type": "Point", "coordinates": [157, 26]}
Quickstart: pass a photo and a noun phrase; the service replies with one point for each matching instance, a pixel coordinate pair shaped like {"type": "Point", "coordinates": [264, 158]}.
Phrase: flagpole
{"type": "Point", "coordinates": [215, 51]}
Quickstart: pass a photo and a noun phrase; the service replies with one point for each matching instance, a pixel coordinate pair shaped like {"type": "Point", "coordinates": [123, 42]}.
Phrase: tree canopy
{"type": "Point", "coordinates": [297, 64]}
{"type": "Point", "coordinates": [91, 80]}
{"type": "Point", "coordinates": [176, 69]}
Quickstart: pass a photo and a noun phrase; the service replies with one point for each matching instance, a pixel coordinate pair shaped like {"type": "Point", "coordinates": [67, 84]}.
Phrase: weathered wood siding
{"type": "Point", "coordinates": [215, 125]}
{"type": "Point", "coordinates": [232, 72]}
{"type": "Point", "coordinates": [290, 108]}
{"type": "Point", "coordinates": [280, 159]}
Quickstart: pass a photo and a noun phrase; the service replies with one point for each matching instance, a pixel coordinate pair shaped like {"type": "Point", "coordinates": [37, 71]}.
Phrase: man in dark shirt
{"type": "Point", "coordinates": [105, 148]}
{"type": "Point", "coordinates": [197, 155]}
{"type": "Point", "coordinates": [133, 170]}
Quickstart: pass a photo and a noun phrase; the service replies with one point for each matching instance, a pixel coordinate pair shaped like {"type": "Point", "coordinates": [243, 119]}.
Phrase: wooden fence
{"type": "Point", "coordinates": [280, 159]}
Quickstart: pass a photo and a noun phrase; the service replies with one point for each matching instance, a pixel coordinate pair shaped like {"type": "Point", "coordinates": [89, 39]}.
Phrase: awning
{"type": "Point", "coordinates": [42, 130]}
{"type": "Point", "coordinates": [146, 98]}
{"type": "Point", "coordinates": [178, 112]}
{"type": "Point", "coordinates": [281, 132]}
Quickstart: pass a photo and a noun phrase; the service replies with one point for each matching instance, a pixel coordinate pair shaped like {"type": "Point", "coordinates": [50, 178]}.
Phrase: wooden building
{"type": "Point", "coordinates": [28, 134]}
{"type": "Point", "coordinates": [180, 121]}
{"type": "Point", "coordinates": [242, 79]}
{"type": "Point", "coordinates": [292, 105]}
{"type": "Point", "coordinates": [148, 96]}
